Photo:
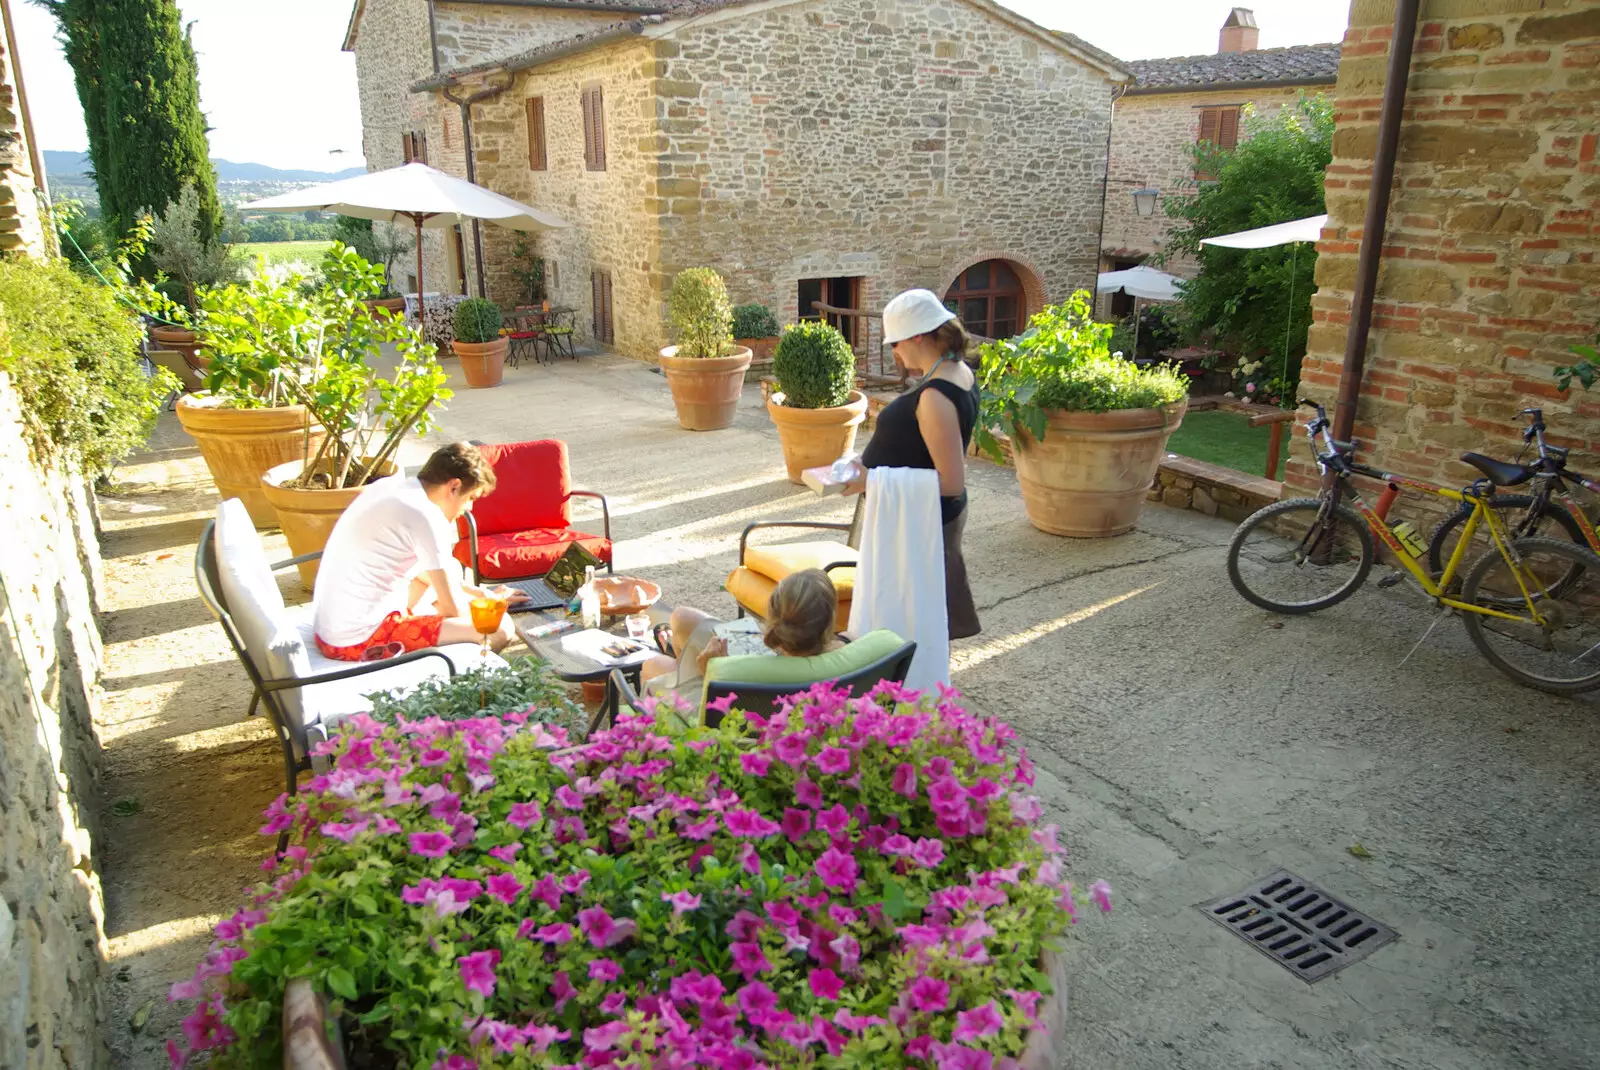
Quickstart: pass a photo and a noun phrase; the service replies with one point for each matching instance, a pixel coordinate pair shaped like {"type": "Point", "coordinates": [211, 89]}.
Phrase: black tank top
{"type": "Point", "coordinates": [897, 441]}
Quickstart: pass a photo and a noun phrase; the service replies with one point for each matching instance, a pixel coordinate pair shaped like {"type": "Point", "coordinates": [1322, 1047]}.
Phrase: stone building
{"type": "Point", "coordinates": [21, 171]}
{"type": "Point", "coordinates": [1489, 270]}
{"type": "Point", "coordinates": [832, 150]}
{"type": "Point", "coordinates": [1175, 103]}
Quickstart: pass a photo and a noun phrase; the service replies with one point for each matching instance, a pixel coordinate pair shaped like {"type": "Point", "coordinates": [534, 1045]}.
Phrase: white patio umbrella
{"type": "Point", "coordinates": [416, 192]}
{"type": "Point", "coordinates": [1138, 282]}
{"type": "Point", "coordinates": [1293, 233]}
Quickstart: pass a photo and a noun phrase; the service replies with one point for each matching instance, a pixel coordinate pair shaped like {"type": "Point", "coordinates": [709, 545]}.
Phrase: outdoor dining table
{"type": "Point", "coordinates": [572, 666]}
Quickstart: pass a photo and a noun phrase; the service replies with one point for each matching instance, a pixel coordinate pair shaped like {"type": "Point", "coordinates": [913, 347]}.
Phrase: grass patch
{"type": "Point", "coordinates": [284, 252]}
{"type": "Point", "coordinates": [1225, 438]}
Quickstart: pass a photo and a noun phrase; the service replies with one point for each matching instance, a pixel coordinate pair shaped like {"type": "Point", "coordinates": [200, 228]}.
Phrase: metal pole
{"type": "Point", "coordinates": [1383, 160]}
{"type": "Point", "coordinates": [421, 309]}
{"type": "Point", "coordinates": [466, 103]}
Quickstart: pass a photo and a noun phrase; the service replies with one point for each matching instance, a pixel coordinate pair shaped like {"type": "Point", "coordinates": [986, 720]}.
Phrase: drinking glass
{"type": "Point", "coordinates": [486, 616]}
{"type": "Point", "coordinates": [638, 626]}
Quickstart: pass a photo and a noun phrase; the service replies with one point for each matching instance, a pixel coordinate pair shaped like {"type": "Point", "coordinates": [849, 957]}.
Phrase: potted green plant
{"type": "Point", "coordinates": [479, 345]}
{"type": "Point", "coordinates": [861, 882]}
{"type": "Point", "coordinates": [1087, 428]}
{"type": "Point", "coordinates": [816, 407]}
{"type": "Point", "coordinates": [528, 268]}
{"type": "Point", "coordinates": [756, 328]}
{"type": "Point", "coordinates": [705, 370]}
{"type": "Point", "coordinates": [178, 250]}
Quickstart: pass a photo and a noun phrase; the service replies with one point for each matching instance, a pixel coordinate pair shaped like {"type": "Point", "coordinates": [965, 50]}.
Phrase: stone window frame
{"type": "Point", "coordinates": [538, 146]}
{"type": "Point", "coordinates": [592, 100]}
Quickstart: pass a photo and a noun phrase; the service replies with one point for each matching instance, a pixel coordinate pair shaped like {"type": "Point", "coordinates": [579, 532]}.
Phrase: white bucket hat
{"type": "Point", "coordinates": [912, 313]}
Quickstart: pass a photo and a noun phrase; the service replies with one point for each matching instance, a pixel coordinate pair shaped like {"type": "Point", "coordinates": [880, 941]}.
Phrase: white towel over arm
{"type": "Point", "coordinates": [900, 579]}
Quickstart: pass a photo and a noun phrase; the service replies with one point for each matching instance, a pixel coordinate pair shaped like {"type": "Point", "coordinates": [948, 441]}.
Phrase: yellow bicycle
{"type": "Point", "coordinates": [1530, 605]}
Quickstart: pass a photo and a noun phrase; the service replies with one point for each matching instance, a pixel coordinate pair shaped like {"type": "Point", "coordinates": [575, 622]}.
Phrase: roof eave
{"type": "Point", "coordinates": [350, 29]}
{"type": "Point", "coordinates": [515, 64]}
{"type": "Point", "coordinates": [1250, 83]}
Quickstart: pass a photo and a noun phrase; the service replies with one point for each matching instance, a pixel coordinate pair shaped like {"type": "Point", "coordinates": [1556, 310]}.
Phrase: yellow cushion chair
{"type": "Point", "coordinates": [762, 568]}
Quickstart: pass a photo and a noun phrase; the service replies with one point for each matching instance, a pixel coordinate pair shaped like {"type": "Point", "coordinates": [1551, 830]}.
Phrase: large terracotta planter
{"type": "Point", "coordinates": [482, 364]}
{"type": "Point", "coordinates": [307, 516]}
{"type": "Point", "coordinates": [182, 340]}
{"type": "Point", "coordinates": [705, 391]}
{"type": "Point", "coordinates": [1089, 477]}
{"type": "Point", "coordinates": [239, 445]}
{"type": "Point", "coordinates": [812, 437]}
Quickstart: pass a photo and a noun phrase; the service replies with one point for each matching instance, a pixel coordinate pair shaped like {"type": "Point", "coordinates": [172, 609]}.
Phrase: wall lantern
{"type": "Point", "coordinates": [1144, 200]}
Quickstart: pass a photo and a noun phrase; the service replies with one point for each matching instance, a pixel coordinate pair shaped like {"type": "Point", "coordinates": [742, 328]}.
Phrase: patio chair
{"type": "Point", "coordinates": [303, 692]}
{"type": "Point", "coordinates": [558, 335]}
{"type": "Point", "coordinates": [522, 527]}
{"type": "Point", "coordinates": [179, 364]}
{"type": "Point", "coordinates": [762, 568]}
{"type": "Point", "coordinates": [524, 337]}
{"type": "Point", "coordinates": [761, 681]}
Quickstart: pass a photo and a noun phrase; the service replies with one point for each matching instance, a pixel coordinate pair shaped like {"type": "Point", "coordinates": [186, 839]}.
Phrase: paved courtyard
{"type": "Point", "coordinates": [1187, 744]}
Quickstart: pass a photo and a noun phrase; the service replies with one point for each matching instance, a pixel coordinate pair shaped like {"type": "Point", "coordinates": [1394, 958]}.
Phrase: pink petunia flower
{"type": "Point", "coordinates": [905, 780]}
{"type": "Point", "coordinates": [834, 820]}
{"type": "Point", "coordinates": [477, 971]}
{"type": "Point", "coordinates": [791, 750]}
{"type": "Point", "coordinates": [682, 902]}
{"type": "Point", "coordinates": [980, 1022]}
{"type": "Point", "coordinates": [796, 823]}
{"type": "Point", "coordinates": [561, 988]}
{"type": "Point", "coordinates": [431, 758]}
{"type": "Point", "coordinates": [920, 935]}
{"type": "Point", "coordinates": [1100, 895]}
{"type": "Point", "coordinates": [837, 870]}
{"type": "Point", "coordinates": [756, 1000]}
{"type": "Point", "coordinates": [604, 970]}
{"type": "Point", "coordinates": [569, 798]}
{"type": "Point", "coordinates": [614, 1003]}
{"type": "Point", "coordinates": [749, 959]}
{"type": "Point", "coordinates": [555, 934]}
{"type": "Point", "coordinates": [898, 845]}
{"type": "Point", "coordinates": [825, 984]}
{"type": "Point", "coordinates": [755, 763]}
{"type": "Point", "coordinates": [525, 815]}
{"type": "Point", "coordinates": [605, 1037]}
{"type": "Point", "coordinates": [749, 824]}
{"type": "Point", "coordinates": [505, 887]}
{"type": "Point", "coordinates": [833, 760]}
{"type": "Point", "coordinates": [548, 891]}
{"type": "Point", "coordinates": [602, 929]}
{"type": "Point", "coordinates": [929, 995]}
{"type": "Point", "coordinates": [573, 883]}
{"type": "Point", "coordinates": [430, 844]}
{"type": "Point", "coordinates": [505, 852]}
{"type": "Point", "coordinates": [928, 852]}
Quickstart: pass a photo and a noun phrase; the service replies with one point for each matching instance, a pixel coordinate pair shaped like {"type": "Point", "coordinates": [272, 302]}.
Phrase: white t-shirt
{"type": "Point", "coordinates": [390, 534]}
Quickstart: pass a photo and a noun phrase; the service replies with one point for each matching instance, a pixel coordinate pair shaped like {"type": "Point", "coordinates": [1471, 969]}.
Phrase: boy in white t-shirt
{"type": "Point", "coordinates": [390, 549]}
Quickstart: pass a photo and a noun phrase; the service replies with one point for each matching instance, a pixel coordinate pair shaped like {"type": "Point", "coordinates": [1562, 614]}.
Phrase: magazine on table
{"type": "Point", "coordinates": [603, 648]}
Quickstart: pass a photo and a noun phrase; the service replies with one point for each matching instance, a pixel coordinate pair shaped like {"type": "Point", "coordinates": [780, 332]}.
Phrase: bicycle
{"type": "Point", "coordinates": [1550, 506]}
{"type": "Point", "coordinates": [1506, 603]}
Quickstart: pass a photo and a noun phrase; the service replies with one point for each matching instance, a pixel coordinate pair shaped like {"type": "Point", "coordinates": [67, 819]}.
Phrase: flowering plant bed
{"type": "Point", "coordinates": [856, 882]}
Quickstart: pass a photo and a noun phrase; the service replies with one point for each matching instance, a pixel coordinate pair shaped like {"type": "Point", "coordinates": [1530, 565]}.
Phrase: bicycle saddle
{"type": "Point", "coordinates": [1500, 473]}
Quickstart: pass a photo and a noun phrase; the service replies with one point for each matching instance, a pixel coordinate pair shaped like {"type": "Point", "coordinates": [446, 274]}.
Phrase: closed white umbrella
{"type": "Point", "coordinates": [415, 192]}
{"type": "Point", "coordinates": [1140, 281]}
{"type": "Point", "coordinates": [1307, 229]}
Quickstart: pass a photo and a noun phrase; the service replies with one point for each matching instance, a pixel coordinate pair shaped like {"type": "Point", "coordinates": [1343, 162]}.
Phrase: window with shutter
{"type": "Point", "coordinates": [407, 150]}
{"type": "Point", "coordinates": [600, 295]}
{"type": "Point", "coordinates": [538, 159]}
{"type": "Point", "coordinates": [422, 148]}
{"type": "Point", "coordinates": [594, 129]}
{"type": "Point", "coordinates": [1228, 128]}
{"type": "Point", "coordinates": [1219, 127]}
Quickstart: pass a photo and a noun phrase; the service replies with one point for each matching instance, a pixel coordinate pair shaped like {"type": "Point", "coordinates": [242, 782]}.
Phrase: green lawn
{"type": "Point", "coordinates": [284, 252]}
{"type": "Point", "coordinates": [1224, 438]}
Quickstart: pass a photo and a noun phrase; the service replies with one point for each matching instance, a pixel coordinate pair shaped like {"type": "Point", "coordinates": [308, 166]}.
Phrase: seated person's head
{"type": "Point", "coordinates": [454, 476]}
{"type": "Point", "coordinates": [801, 614]}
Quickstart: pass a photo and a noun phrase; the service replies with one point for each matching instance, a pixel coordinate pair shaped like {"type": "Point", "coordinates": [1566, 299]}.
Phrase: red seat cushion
{"type": "Point", "coordinates": [517, 554]}
{"type": "Point", "coordinates": [532, 489]}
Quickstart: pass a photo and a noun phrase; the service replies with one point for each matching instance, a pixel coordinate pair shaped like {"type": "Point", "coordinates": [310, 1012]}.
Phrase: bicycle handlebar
{"type": "Point", "coordinates": [1338, 453]}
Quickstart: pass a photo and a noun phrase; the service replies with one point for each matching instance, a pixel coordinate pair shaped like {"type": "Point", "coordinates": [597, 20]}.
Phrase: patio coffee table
{"type": "Point", "coordinates": [571, 667]}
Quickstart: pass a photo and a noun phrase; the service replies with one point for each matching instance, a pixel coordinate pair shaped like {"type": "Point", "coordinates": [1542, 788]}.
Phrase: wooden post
{"type": "Point", "coordinates": [1274, 449]}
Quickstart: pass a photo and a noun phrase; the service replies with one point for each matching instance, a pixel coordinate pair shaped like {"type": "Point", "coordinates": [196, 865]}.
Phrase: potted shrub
{"type": "Point", "coordinates": [856, 882]}
{"type": "Point", "coordinates": [1087, 428]}
{"type": "Point", "coordinates": [365, 417]}
{"type": "Point", "coordinates": [178, 249]}
{"type": "Point", "coordinates": [756, 328]}
{"type": "Point", "coordinates": [816, 407]}
{"type": "Point", "coordinates": [705, 370]}
{"type": "Point", "coordinates": [478, 344]}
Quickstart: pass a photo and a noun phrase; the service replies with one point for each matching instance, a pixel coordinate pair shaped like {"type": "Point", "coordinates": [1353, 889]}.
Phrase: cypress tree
{"type": "Point", "coordinates": [138, 82]}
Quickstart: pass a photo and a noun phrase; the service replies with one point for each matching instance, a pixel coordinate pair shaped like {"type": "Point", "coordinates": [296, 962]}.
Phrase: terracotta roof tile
{"type": "Point", "coordinates": [1311, 64]}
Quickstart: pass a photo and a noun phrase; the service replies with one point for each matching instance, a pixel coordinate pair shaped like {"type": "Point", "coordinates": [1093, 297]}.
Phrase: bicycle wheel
{"type": "Point", "coordinates": [1551, 522]}
{"type": "Point", "coordinates": [1299, 556]}
{"type": "Point", "coordinates": [1562, 655]}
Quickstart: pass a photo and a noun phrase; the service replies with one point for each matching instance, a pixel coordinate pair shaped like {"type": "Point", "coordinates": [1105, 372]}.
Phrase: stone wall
{"type": "Point", "coordinates": [1489, 271]}
{"type": "Point", "coordinates": [51, 910]}
{"type": "Point", "coordinates": [393, 50]}
{"type": "Point", "coordinates": [610, 211]}
{"type": "Point", "coordinates": [21, 228]}
{"type": "Point", "coordinates": [895, 140]}
{"type": "Point", "coordinates": [471, 33]}
{"type": "Point", "coordinates": [1151, 136]}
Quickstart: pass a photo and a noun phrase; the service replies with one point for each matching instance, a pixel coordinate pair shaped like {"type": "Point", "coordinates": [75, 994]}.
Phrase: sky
{"type": "Point", "coordinates": [278, 90]}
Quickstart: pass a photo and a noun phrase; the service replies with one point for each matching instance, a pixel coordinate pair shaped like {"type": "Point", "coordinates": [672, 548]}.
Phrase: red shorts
{"type": "Point", "coordinates": [411, 633]}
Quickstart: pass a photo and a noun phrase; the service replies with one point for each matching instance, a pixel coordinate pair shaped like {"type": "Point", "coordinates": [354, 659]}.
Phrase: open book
{"type": "Point", "coordinates": [743, 637]}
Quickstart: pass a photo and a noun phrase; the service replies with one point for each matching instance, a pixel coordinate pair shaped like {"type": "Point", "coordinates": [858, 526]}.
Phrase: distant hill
{"type": "Point", "coordinates": [62, 164]}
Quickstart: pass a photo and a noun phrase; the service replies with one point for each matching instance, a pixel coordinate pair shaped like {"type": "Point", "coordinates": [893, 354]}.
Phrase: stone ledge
{"type": "Point", "coordinates": [1185, 483]}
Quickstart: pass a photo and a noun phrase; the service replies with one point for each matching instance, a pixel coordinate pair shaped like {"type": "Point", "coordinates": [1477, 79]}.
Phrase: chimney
{"type": "Point", "coordinates": [1239, 33]}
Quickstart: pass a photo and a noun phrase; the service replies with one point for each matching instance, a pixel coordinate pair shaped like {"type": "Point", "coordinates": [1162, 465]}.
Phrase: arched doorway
{"type": "Point", "coordinates": [990, 298]}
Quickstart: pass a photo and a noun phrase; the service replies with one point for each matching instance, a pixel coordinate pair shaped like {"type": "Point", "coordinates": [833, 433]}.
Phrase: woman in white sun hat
{"type": "Point", "coordinates": [930, 426]}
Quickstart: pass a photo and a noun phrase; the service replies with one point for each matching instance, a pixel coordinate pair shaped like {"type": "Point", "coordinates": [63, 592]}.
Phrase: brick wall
{"type": "Point", "coordinates": [1151, 137]}
{"type": "Point", "coordinates": [1489, 269]}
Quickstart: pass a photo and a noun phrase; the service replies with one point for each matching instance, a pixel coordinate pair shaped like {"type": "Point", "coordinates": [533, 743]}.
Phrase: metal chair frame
{"type": "Point", "coordinates": [852, 540]}
{"type": "Point", "coordinates": [472, 537]}
{"type": "Point", "coordinates": [266, 689]}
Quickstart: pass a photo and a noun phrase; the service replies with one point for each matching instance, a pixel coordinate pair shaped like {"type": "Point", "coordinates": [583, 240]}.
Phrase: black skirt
{"type": "Point", "coordinates": [959, 606]}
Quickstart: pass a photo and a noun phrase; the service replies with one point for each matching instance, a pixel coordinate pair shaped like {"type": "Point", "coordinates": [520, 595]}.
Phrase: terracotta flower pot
{"type": "Point", "coordinates": [705, 391]}
{"type": "Point", "coordinates": [182, 340]}
{"type": "Point", "coordinates": [1089, 477]}
{"type": "Point", "coordinates": [482, 364]}
{"type": "Point", "coordinates": [812, 437]}
{"type": "Point", "coordinates": [307, 516]}
{"type": "Point", "coordinates": [239, 445]}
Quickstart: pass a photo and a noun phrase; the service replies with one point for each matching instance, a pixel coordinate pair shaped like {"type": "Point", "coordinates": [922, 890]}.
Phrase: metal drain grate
{"type": "Point", "coordinates": [1299, 926]}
